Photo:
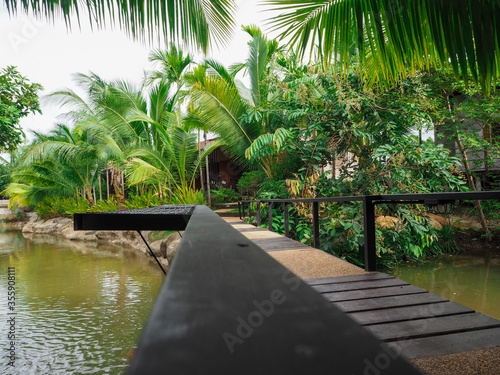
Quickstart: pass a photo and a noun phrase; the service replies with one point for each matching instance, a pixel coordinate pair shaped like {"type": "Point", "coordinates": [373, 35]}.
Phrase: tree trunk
{"type": "Point", "coordinates": [472, 186]}
{"type": "Point", "coordinates": [468, 174]}
{"type": "Point", "coordinates": [208, 183]}
{"type": "Point", "coordinates": [107, 183]}
{"type": "Point", "coordinates": [100, 189]}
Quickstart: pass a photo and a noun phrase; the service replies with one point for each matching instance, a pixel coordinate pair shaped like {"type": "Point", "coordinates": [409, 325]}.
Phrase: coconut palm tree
{"type": "Point", "coordinates": [196, 22]}
{"type": "Point", "coordinates": [225, 106]}
{"type": "Point", "coordinates": [395, 37]}
{"type": "Point", "coordinates": [61, 164]}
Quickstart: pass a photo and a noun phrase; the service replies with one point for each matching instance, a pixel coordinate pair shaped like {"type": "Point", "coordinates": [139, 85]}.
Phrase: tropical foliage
{"type": "Point", "coordinates": [300, 131]}
{"type": "Point", "coordinates": [393, 38]}
{"type": "Point", "coordinates": [18, 98]}
{"type": "Point", "coordinates": [134, 136]}
{"type": "Point", "coordinates": [196, 22]}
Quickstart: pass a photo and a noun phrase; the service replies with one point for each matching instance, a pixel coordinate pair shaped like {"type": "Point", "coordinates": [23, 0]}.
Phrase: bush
{"type": "Point", "coordinates": [249, 183]}
{"type": "Point", "coordinates": [224, 195]}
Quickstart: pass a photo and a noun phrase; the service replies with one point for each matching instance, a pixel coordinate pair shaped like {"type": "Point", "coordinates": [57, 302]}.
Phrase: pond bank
{"type": "Point", "coordinates": [62, 228]}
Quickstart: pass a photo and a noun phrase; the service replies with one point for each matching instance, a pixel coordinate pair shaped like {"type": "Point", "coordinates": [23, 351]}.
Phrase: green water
{"type": "Point", "coordinates": [79, 309]}
{"type": "Point", "coordinates": [473, 281]}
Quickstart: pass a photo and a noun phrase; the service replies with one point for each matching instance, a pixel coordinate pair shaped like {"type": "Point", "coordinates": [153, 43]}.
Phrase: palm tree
{"type": "Point", "coordinates": [61, 164]}
{"type": "Point", "coordinates": [196, 22]}
{"type": "Point", "coordinates": [395, 37]}
{"type": "Point", "coordinates": [239, 115]}
{"type": "Point", "coordinates": [172, 170]}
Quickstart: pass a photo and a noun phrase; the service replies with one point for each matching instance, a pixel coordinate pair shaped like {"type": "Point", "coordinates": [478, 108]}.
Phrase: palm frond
{"type": "Point", "coordinates": [394, 38]}
{"type": "Point", "coordinates": [196, 22]}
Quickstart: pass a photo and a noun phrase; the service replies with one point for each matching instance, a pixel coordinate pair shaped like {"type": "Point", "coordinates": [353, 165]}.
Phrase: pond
{"type": "Point", "coordinates": [78, 308]}
{"type": "Point", "coordinates": [471, 280]}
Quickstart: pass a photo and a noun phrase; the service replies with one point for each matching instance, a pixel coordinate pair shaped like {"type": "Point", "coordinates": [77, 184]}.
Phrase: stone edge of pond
{"type": "Point", "coordinates": [32, 225]}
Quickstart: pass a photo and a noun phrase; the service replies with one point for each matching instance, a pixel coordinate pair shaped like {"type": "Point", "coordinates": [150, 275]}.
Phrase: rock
{"type": "Point", "coordinates": [28, 228]}
{"type": "Point", "coordinates": [172, 249]}
{"type": "Point", "coordinates": [164, 263]}
{"type": "Point", "coordinates": [173, 237]}
{"type": "Point", "coordinates": [156, 248]}
{"type": "Point", "coordinates": [163, 249]}
{"type": "Point", "coordinates": [435, 221]}
{"type": "Point", "coordinates": [437, 218]}
{"type": "Point", "coordinates": [387, 221]}
{"type": "Point", "coordinates": [81, 235]}
{"type": "Point", "coordinates": [455, 221]}
{"type": "Point", "coordinates": [465, 223]}
{"type": "Point", "coordinates": [17, 225]}
{"type": "Point", "coordinates": [125, 238]}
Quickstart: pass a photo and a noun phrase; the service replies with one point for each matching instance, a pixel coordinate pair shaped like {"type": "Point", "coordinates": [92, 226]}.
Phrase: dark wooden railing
{"type": "Point", "coordinates": [369, 203]}
{"type": "Point", "coordinates": [227, 307]}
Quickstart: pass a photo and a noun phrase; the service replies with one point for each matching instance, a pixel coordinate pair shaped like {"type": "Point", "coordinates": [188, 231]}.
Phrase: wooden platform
{"type": "Point", "coordinates": [420, 325]}
{"type": "Point", "coordinates": [409, 319]}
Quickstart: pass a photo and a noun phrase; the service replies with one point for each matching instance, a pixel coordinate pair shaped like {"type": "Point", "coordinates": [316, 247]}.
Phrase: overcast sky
{"type": "Point", "coordinates": [47, 53]}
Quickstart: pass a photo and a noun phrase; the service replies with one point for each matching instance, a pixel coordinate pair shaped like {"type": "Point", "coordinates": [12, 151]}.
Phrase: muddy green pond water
{"type": "Point", "coordinates": [471, 280]}
{"type": "Point", "coordinates": [78, 308]}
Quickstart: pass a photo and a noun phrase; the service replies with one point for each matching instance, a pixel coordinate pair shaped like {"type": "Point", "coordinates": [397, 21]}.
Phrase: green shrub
{"type": "Point", "coordinates": [223, 195]}
{"type": "Point", "coordinates": [249, 182]}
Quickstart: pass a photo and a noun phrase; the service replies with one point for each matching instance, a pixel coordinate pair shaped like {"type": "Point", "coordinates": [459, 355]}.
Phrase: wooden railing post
{"type": "Point", "coordinates": [369, 234]}
{"type": "Point", "coordinates": [270, 215]}
{"type": "Point", "coordinates": [316, 224]}
{"type": "Point", "coordinates": [287, 225]}
{"type": "Point", "coordinates": [258, 214]}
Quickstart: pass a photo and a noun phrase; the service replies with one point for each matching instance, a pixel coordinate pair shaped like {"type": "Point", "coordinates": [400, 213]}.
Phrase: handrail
{"type": "Point", "coordinates": [227, 307]}
{"type": "Point", "coordinates": [369, 203]}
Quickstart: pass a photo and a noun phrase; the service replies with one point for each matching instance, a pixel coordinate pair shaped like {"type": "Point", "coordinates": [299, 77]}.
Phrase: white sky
{"type": "Point", "coordinates": [47, 53]}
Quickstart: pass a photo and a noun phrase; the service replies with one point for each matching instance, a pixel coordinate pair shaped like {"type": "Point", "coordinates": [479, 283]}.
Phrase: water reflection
{"type": "Point", "coordinates": [472, 281]}
{"type": "Point", "coordinates": [79, 309]}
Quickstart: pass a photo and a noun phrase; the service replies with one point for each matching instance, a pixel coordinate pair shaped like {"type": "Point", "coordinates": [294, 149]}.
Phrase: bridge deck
{"type": "Point", "coordinates": [412, 321]}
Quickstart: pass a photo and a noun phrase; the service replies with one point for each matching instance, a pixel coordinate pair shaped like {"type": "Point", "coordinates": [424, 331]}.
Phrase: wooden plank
{"type": "Point", "coordinates": [358, 285]}
{"type": "Point", "coordinates": [447, 344]}
{"type": "Point", "coordinates": [374, 293]}
{"type": "Point", "coordinates": [399, 314]}
{"type": "Point", "coordinates": [388, 302]}
{"type": "Point", "coordinates": [348, 279]}
{"type": "Point", "coordinates": [432, 326]}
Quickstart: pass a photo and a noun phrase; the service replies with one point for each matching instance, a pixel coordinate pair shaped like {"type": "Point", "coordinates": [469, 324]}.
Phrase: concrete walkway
{"type": "Point", "coordinates": [304, 261]}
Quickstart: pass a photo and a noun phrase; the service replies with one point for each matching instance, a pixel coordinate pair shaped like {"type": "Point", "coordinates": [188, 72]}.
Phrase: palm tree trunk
{"type": "Point", "coordinates": [208, 183]}
{"type": "Point", "coordinates": [107, 183]}
{"type": "Point", "coordinates": [202, 176]}
{"type": "Point", "coordinates": [100, 189]}
{"type": "Point", "coordinates": [123, 184]}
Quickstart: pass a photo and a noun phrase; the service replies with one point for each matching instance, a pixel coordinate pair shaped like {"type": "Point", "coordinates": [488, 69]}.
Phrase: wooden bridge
{"type": "Point", "coordinates": [412, 321]}
{"type": "Point", "coordinates": [227, 307]}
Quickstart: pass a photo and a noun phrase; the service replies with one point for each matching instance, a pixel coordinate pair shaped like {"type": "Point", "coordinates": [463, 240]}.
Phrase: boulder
{"type": "Point", "coordinates": [465, 223]}
{"type": "Point", "coordinates": [28, 228]}
{"type": "Point", "coordinates": [172, 249]}
{"type": "Point", "coordinates": [164, 263]}
{"type": "Point", "coordinates": [435, 221]}
{"type": "Point", "coordinates": [387, 221]}
{"type": "Point", "coordinates": [437, 218]}
{"type": "Point", "coordinates": [455, 221]}
{"type": "Point", "coordinates": [156, 247]}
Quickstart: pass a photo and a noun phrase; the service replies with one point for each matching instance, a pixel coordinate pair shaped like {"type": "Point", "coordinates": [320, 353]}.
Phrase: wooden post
{"type": "Point", "coordinates": [270, 215]}
{"type": "Point", "coordinates": [316, 224]}
{"type": "Point", "coordinates": [287, 225]}
{"type": "Point", "coordinates": [369, 233]}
